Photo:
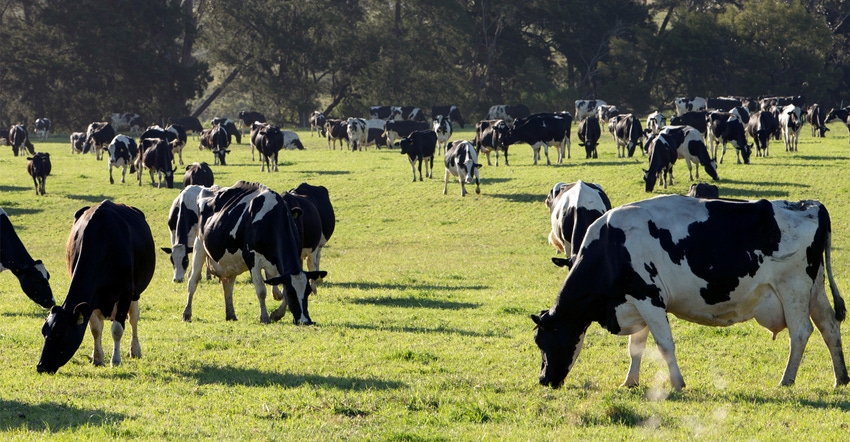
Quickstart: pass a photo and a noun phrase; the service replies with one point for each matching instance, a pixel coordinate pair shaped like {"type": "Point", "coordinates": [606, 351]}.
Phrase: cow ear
{"type": "Point", "coordinates": [166, 249]}
{"type": "Point", "coordinates": [562, 262]}
{"type": "Point", "coordinates": [477, 166]}
{"type": "Point", "coordinates": [80, 212]}
{"type": "Point", "coordinates": [296, 212]}
{"type": "Point", "coordinates": [82, 312]}
{"type": "Point", "coordinates": [316, 275]}
{"type": "Point", "coordinates": [29, 158]}
{"type": "Point", "coordinates": [278, 280]}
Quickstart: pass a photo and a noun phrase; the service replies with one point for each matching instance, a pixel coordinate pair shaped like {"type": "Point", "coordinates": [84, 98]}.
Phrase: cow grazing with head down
{"type": "Point", "coordinates": [462, 162]}
{"type": "Point", "coordinates": [585, 108]}
{"type": "Point", "coordinates": [762, 126]}
{"type": "Point", "coordinates": [419, 146]}
{"type": "Point", "coordinates": [542, 130]}
{"type": "Point", "coordinates": [450, 112]}
{"type": "Point", "coordinates": [790, 122]}
{"type": "Point", "coordinates": [489, 137]}
{"type": "Point", "coordinates": [628, 134]}
{"type": "Point", "coordinates": [38, 167]}
{"type": "Point", "coordinates": [695, 104]}
{"type": "Point", "coordinates": [508, 112]}
{"type": "Point", "coordinates": [268, 140]}
{"type": "Point", "coordinates": [106, 282]}
{"type": "Point", "coordinates": [675, 142]}
{"type": "Point", "coordinates": [726, 127]}
{"type": "Point", "coordinates": [78, 142]}
{"type": "Point", "coordinates": [183, 224]}
{"type": "Point", "coordinates": [217, 140]}
{"type": "Point", "coordinates": [31, 274]}
{"type": "Point", "coordinates": [317, 123]}
{"type": "Point", "coordinates": [573, 208]}
{"type": "Point", "coordinates": [842, 115]}
{"type": "Point", "coordinates": [20, 141]}
{"type": "Point", "coordinates": [198, 174]}
{"type": "Point", "coordinates": [336, 130]}
{"type": "Point", "coordinates": [42, 128]}
{"type": "Point", "coordinates": [229, 126]}
{"type": "Point", "coordinates": [248, 227]}
{"type": "Point", "coordinates": [443, 127]}
{"type": "Point", "coordinates": [247, 118]}
{"type": "Point", "coordinates": [98, 134]}
{"type": "Point", "coordinates": [712, 262]}
{"type": "Point", "coordinates": [123, 152]}
{"type": "Point", "coordinates": [155, 155]}
{"type": "Point", "coordinates": [589, 133]}
{"type": "Point", "coordinates": [704, 190]}
{"type": "Point", "coordinates": [319, 197]}
{"type": "Point", "coordinates": [817, 119]}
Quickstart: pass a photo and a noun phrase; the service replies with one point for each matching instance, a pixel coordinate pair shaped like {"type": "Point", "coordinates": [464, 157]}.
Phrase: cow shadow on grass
{"type": "Point", "coordinates": [413, 302]}
{"type": "Point", "coordinates": [250, 377]}
{"type": "Point", "coordinates": [737, 193]}
{"type": "Point", "coordinates": [327, 172]}
{"type": "Point", "coordinates": [399, 286]}
{"type": "Point", "coordinates": [421, 330]}
{"type": "Point", "coordinates": [90, 198]}
{"type": "Point", "coordinates": [520, 197]}
{"type": "Point", "coordinates": [52, 417]}
{"type": "Point", "coordinates": [751, 398]}
{"type": "Point", "coordinates": [13, 211]}
{"type": "Point", "coordinates": [15, 188]}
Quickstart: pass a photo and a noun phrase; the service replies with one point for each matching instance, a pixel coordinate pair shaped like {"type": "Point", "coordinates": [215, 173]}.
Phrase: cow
{"type": "Point", "coordinates": [817, 119]}
{"type": "Point", "coordinates": [268, 140]}
{"type": "Point", "coordinates": [382, 112]}
{"type": "Point", "coordinates": [309, 227]}
{"type": "Point", "coordinates": [155, 155]}
{"type": "Point", "coordinates": [198, 174]}
{"type": "Point", "coordinates": [396, 129]}
{"type": "Point", "coordinates": [842, 115]}
{"type": "Point", "coordinates": [317, 124]}
{"type": "Point", "coordinates": [170, 136]}
{"type": "Point", "coordinates": [357, 130]}
{"type": "Point", "coordinates": [217, 140]}
{"type": "Point", "coordinates": [541, 130]}
{"type": "Point", "coordinates": [627, 133]}
{"type": "Point", "coordinates": [662, 157]}
{"type": "Point", "coordinates": [248, 227]}
{"type": "Point", "coordinates": [697, 119]}
{"type": "Point", "coordinates": [451, 112]}
{"type": "Point", "coordinates": [443, 127]}
{"type": "Point", "coordinates": [489, 137]}
{"type": "Point", "coordinates": [177, 139]}
{"type": "Point", "coordinates": [726, 127]}
{"type": "Point", "coordinates": [461, 161]}
{"type": "Point", "coordinates": [291, 140]}
{"type": "Point", "coordinates": [723, 104]}
{"type": "Point", "coordinates": [106, 282]}
{"type": "Point", "coordinates": [409, 113]}
{"type": "Point", "coordinates": [318, 195]}
{"type": "Point", "coordinates": [419, 146]}
{"type": "Point", "coordinates": [761, 127]}
{"type": "Point", "coordinates": [336, 130]}
{"type": "Point", "coordinates": [589, 133]}
{"type": "Point", "coordinates": [229, 126]}
{"type": "Point", "coordinates": [573, 208]}
{"type": "Point", "coordinates": [32, 275]}
{"type": "Point", "coordinates": [781, 101]}
{"type": "Point", "coordinates": [586, 108]}
{"type": "Point", "coordinates": [377, 137]}
{"type": "Point", "coordinates": [790, 122]}
{"type": "Point", "coordinates": [683, 105]}
{"type": "Point", "coordinates": [183, 225]}
{"type": "Point", "coordinates": [742, 113]}
{"type": "Point", "coordinates": [247, 118]}
{"type": "Point", "coordinates": [78, 142]}
{"type": "Point", "coordinates": [98, 134]}
{"type": "Point", "coordinates": [123, 152]}
{"type": "Point", "coordinates": [712, 262]}
{"type": "Point", "coordinates": [655, 122]}
{"type": "Point", "coordinates": [127, 121]}
{"type": "Point", "coordinates": [19, 139]}
{"type": "Point", "coordinates": [42, 128]}
{"type": "Point", "coordinates": [606, 112]}
{"type": "Point", "coordinates": [188, 123]}
{"type": "Point", "coordinates": [688, 145]}
{"type": "Point", "coordinates": [508, 112]}
{"type": "Point", "coordinates": [704, 190]}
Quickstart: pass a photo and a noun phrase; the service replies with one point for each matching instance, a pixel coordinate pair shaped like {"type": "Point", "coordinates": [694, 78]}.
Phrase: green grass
{"type": "Point", "coordinates": [423, 330]}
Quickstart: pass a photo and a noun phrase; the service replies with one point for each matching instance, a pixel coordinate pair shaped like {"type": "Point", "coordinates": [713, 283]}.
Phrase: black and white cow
{"type": "Point", "coordinates": [606, 112]}
{"type": "Point", "coordinates": [704, 190]}
{"type": "Point", "coordinates": [377, 137]}
{"type": "Point", "coordinates": [291, 140]}
{"type": "Point", "coordinates": [627, 133]}
{"type": "Point", "coordinates": [489, 137]}
{"type": "Point", "coordinates": [42, 128]}
{"type": "Point", "coordinates": [177, 139]}
{"type": "Point", "coordinates": [726, 127]}
{"type": "Point", "coordinates": [723, 104]}
{"type": "Point", "coordinates": [188, 123]}
{"type": "Point", "coordinates": [183, 220]}
{"type": "Point", "coordinates": [319, 196]}
{"type": "Point", "coordinates": [589, 133]}
{"type": "Point", "coordinates": [198, 174]}
{"type": "Point", "coordinates": [309, 227]}
{"type": "Point", "coordinates": [508, 112]}
{"type": "Point", "coordinates": [247, 118]}
{"type": "Point", "coordinates": [98, 134]}
{"type": "Point", "coordinates": [317, 123]}
{"type": "Point", "coordinates": [817, 119]}
{"type": "Point", "coordinates": [573, 208]}
{"type": "Point", "coordinates": [127, 121]}
{"type": "Point", "coordinates": [462, 162]}
{"type": "Point", "coordinates": [697, 119]}
{"type": "Point", "coordinates": [409, 113]}
{"type": "Point", "coordinates": [419, 146]}
{"type": "Point", "coordinates": [396, 129]}
{"type": "Point", "coordinates": [683, 105]}
{"type": "Point", "coordinates": [229, 126]}
{"type": "Point", "coordinates": [123, 152]}
{"type": "Point", "coordinates": [842, 115]}
{"type": "Point", "coordinates": [586, 108]}
{"type": "Point", "coordinates": [78, 142]}
{"type": "Point", "coordinates": [655, 122]}
{"type": "Point", "coordinates": [452, 112]}
{"type": "Point", "coordinates": [248, 227]}
{"type": "Point", "coordinates": [790, 122]}
{"type": "Point", "coordinates": [217, 140]}
{"type": "Point", "coordinates": [20, 140]}
{"type": "Point", "coordinates": [662, 158]}
{"type": "Point", "coordinates": [541, 130]}
{"type": "Point", "coordinates": [712, 262]}
{"type": "Point", "coordinates": [155, 155]}
{"type": "Point", "coordinates": [689, 145]}
{"type": "Point", "coordinates": [336, 130]}
{"type": "Point", "coordinates": [357, 131]}
{"type": "Point", "coordinates": [443, 127]}
{"type": "Point", "coordinates": [762, 125]}
{"type": "Point", "coordinates": [31, 274]}
{"type": "Point", "coordinates": [781, 101]}
{"type": "Point", "coordinates": [382, 112]}
{"type": "Point", "coordinates": [268, 140]}
{"type": "Point", "coordinates": [106, 282]}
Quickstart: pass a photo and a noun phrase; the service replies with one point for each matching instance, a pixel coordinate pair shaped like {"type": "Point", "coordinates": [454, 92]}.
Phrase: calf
{"type": "Point", "coordinates": [817, 119]}
{"type": "Point", "coordinates": [183, 218]}
{"type": "Point", "coordinates": [489, 137]}
{"type": "Point", "coordinates": [762, 125]}
{"type": "Point", "coordinates": [78, 142]}
{"type": "Point", "coordinates": [247, 118]}
{"type": "Point", "coordinates": [229, 126]}
{"type": "Point", "coordinates": [790, 121]}
{"type": "Point", "coordinates": [198, 174]}
{"type": "Point", "coordinates": [98, 134]}
{"type": "Point", "coordinates": [19, 139]}
{"type": "Point", "coordinates": [462, 161]}
{"type": "Point", "coordinates": [105, 282]}
{"type": "Point", "coordinates": [508, 112]}
{"type": "Point", "coordinates": [31, 274]}
{"type": "Point", "coordinates": [727, 127]}
{"type": "Point", "coordinates": [684, 105]}
{"type": "Point", "coordinates": [573, 208]}
{"type": "Point", "coordinates": [627, 133]}
{"type": "Point", "coordinates": [122, 153]}
{"type": "Point", "coordinates": [317, 124]}
{"type": "Point", "coordinates": [42, 128]}
{"type": "Point", "coordinates": [541, 130]}
{"type": "Point", "coordinates": [419, 146]}
{"type": "Point", "coordinates": [450, 112]}
{"type": "Point", "coordinates": [336, 130]}
{"type": "Point", "coordinates": [268, 140]}
{"type": "Point", "coordinates": [589, 133]}
{"type": "Point", "coordinates": [586, 108]}
{"type": "Point", "coordinates": [443, 127]}
{"type": "Point", "coordinates": [156, 156]}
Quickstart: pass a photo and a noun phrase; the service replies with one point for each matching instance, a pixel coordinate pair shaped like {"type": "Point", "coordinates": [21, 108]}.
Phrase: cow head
{"type": "Point", "coordinates": [34, 280]}
{"type": "Point", "coordinates": [560, 344]}
{"type": "Point", "coordinates": [63, 333]}
{"type": "Point", "coordinates": [297, 290]}
{"type": "Point", "coordinates": [219, 155]}
{"type": "Point", "coordinates": [179, 256]}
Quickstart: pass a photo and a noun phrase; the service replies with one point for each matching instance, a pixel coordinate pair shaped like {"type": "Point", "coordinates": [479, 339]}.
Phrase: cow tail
{"type": "Point", "coordinates": [837, 300]}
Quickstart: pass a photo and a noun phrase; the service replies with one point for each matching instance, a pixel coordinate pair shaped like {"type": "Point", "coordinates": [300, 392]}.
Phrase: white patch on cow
{"type": "Point", "coordinates": [299, 283]}
{"type": "Point", "coordinates": [269, 203]}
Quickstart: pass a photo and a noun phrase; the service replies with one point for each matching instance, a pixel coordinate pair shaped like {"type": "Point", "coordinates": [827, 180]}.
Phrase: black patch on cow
{"type": "Point", "coordinates": [814, 253]}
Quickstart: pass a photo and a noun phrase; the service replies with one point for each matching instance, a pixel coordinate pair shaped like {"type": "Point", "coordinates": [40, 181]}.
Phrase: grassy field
{"type": "Point", "coordinates": [422, 323]}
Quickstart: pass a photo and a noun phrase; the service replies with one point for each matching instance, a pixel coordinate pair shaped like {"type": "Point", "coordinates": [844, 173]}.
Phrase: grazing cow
{"type": "Point", "coordinates": [489, 137]}
{"type": "Point", "coordinates": [98, 134]}
{"type": "Point", "coordinates": [31, 274]}
{"type": "Point", "coordinates": [123, 152]}
{"type": "Point", "coordinates": [742, 113]}
{"type": "Point", "coordinates": [198, 174]}
{"type": "Point", "coordinates": [217, 140]}
{"type": "Point", "coordinates": [309, 227]}
{"type": "Point", "coordinates": [712, 262]}
{"type": "Point", "coordinates": [156, 156]}
{"type": "Point", "coordinates": [508, 112]}
{"type": "Point", "coordinates": [589, 133]}
{"type": "Point", "coordinates": [443, 127]}
{"type": "Point", "coordinates": [817, 119]}
{"type": "Point", "coordinates": [336, 130]}
{"type": "Point", "coordinates": [586, 108]}
{"type": "Point", "coordinates": [247, 118]}
{"type": "Point", "coordinates": [188, 123]}
{"type": "Point", "coordinates": [542, 130]}
{"type": "Point", "coordinates": [291, 140]}
{"type": "Point", "coordinates": [451, 112]}
{"type": "Point", "coordinates": [605, 113]}
{"type": "Point", "coordinates": [376, 136]}
{"type": "Point", "coordinates": [268, 140]}
{"type": "Point", "coordinates": [317, 124]}
{"type": "Point", "coordinates": [627, 133]}
{"type": "Point", "coordinates": [127, 121]}
{"type": "Point", "coordinates": [229, 126]}
{"type": "Point", "coordinates": [697, 120]}
{"type": "Point", "coordinates": [723, 104]}
{"type": "Point", "coordinates": [655, 122]}
{"type": "Point", "coordinates": [703, 190]}
{"type": "Point", "coordinates": [19, 139]}
{"type": "Point", "coordinates": [683, 105]}
{"type": "Point", "coordinates": [42, 128]}
{"type": "Point", "coordinates": [106, 282]}
{"type": "Point", "coordinates": [177, 138]}
{"type": "Point", "coordinates": [248, 227]}
{"type": "Point", "coordinates": [726, 127]}
{"type": "Point", "coordinates": [462, 161]}
{"type": "Point", "coordinates": [396, 129]}
{"type": "Point", "coordinates": [762, 125]}
{"type": "Point", "coordinates": [419, 146]}
{"type": "Point", "coordinates": [791, 121]}
{"type": "Point", "coordinates": [183, 220]}
{"type": "Point", "coordinates": [662, 157]}
{"type": "Point", "coordinates": [689, 145]}
{"type": "Point", "coordinates": [357, 130]}
{"type": "Point", "coordinates": [842, 115]}
{"type": "Point", "coordinates": [320, 198]}
{"type": "Point", "coordinates": [78, 142]}
{"type": "Point", "coordinates": [573, 208]}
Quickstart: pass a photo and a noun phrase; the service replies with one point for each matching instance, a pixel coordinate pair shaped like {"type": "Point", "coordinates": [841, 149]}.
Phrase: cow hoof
{"type": "Point", "coordinates": [478, 191]}
{"type": "Point", "coordinates": [230, 317]}
{"type": "Point", "coordinates": [187, 317]}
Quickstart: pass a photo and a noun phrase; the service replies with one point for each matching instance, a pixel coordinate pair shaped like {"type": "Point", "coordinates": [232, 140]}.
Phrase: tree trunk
{"type": "Point", "coordinates": [217, 92]}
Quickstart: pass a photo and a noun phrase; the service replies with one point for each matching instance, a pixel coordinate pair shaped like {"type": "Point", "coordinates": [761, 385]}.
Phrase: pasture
{"type": "Point", "coordinates": [422, 323]}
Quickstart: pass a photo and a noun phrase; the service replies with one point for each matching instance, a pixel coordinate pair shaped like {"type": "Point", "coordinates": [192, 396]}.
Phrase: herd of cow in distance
{"type": "Point", "coordinates": [629, 266]}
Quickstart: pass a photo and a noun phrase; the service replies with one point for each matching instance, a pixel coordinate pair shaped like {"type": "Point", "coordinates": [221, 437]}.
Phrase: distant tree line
{"type": "Point", "coordinates": [77, 61]}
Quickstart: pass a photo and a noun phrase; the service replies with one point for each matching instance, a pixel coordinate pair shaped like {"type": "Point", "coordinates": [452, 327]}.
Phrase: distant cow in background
{"type": "Point", "coordinates": [508, 112]}
{"type": "Point", "coordinates": [761, 127]}
{"type": "Point", "coordinates": [489, 137]}
{"type": "Point", "coordinates": [122, 152]}
{"type": "Point", "coordinates": [573, 208]}
{"type": "Point", "coordinates": [78, 142]}
{"type": "Point", "coordinates": [20, 140]}
{"type": "Point", "coordinates": [410, 113]}
{"type": "Point", "coordinates": [177, 139]}
{"type": "Point", "coordinates": [42, 128]}
{"type": "Point", "coordinates": [395, 129]}
{"type": "Point", "coordinates": [443, 127]}
{"type": "Point", "coordinates": [247, 118]}
{"type": "Point", "coordinates": [419, 146]}
{"type": "Point", "coordinates": [127, 121]}
{"type": "Point", "coordinates": [727, 127]}
{"type": "Point", "coordinates": [452, 112]}
{"type": "Point", "coordinates": [585, 108]}
{"type": "Point", "coordinates": [291, 140]}
{"type": "Point", "coordinates": [462, 161]}
{"type": "Point", "coordinates": [723, 104]}
{"type": "Point", "coordinates": [817, 119]}
{"type": "Point", "coordinates": [336, 130]}
{"type": "Point", "coordinates": [695, 119]}
{"type": "Point", "coordinates": [155, 155]}
{"type": "Point", "coordinates": [703, 190]}
{"type": "Point", "coordinates": [791, 121]}
{"type": "Point", "coordinates": [589, 133]}
{"type": "Point", "coordinates": [98, 134]}
{"type": "Point", "coordinates": [627, 133]}
{"type": "Point", "coordinates": [655, 122]}
{"type": "Point", "coordinates": [356, 129]}
{"type": "Point", "coordinates": [317, 123]}
{"type": "Point", "coordinates": [188, 123]}
{"type": "Point", "coordinates": [268, 140]}
{"type": "Point", "coordinates": [217, 140]}
{"type": "Point", "coordinates": [606, 112]}
{"type": "Point", "coordinates": [199, 174]}
{"type": "Point", "coordinates": [695, 104]}
{"type": "Point", "coordinates": [38, 167]}
{"type": "Point", "coordinates": [842, 115]}
{"type": "Point", "coordinates": [229, 126]}
{"type": "Point", "coordinates": [542, 130]}
{"type": "Point", "coordinates": [382, 112]}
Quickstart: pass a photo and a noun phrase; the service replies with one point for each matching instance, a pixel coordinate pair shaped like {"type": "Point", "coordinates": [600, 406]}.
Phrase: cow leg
{"type": "Point", "coordinates": [637, 344]}
{"type": "Point", "coordinates": [198, 260]}
{"type": "Point", "coordinates": [446, 182]}
{"type": "Point", "coordinates": [535, 148]}
{"type": "Point", "coordinates": [123, 173]}
{"type": "Point", "coordinates": [180, 154]}
{"type": "Point", "coordinates": [429, 167]}
{"type": "Point", "coordinates": [135, 347]}
{"type": "Point", "coordinates": [35, 183]}
{"type": "Point", "coordinates": [227, 287]}
{"type": "Point", "coordinates": [566, 143]}
{"type": "Point", "coordinates": [830, 329]}
{"type": "Point", "coordinates": [546, 151]}
{"type": "Point", "coordinates": [43, 182]}
{"type": "Point", "coordinates": [117, 334]}
{"type": "Point", "coordinates": [96, 327]}
{"type": "Point", "coordinates": [111, 181]}
{"type": "Point", "coordinates": [260, 289]}
{"type": "Point", "coordinates": [656, 320]}
{"type": "Point", "coordinates": [722, 153]}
